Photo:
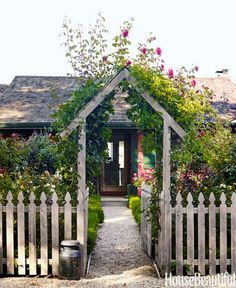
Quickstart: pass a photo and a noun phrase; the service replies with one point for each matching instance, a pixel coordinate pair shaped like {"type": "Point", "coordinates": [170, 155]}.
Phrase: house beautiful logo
{"type": "Point", "coordinates": [218, 280]}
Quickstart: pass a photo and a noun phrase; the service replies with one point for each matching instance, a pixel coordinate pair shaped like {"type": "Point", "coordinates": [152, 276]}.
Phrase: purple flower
{"type": "Point", "coordinates": [170, 73]}
{"type": "Point", "coordinates": [158, 51]}
{"type": "Point", "coordinates": [196, 68]}
{"type": "Point", "coordinates": [128, 63]}
{"type": "Point", "coordinates": [125, 32]}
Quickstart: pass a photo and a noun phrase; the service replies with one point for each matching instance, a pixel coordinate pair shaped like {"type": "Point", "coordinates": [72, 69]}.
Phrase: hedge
{"type": "Point", "coordinates": [135, 206]}
{"type": "Point", "coordinates": [95, 217]}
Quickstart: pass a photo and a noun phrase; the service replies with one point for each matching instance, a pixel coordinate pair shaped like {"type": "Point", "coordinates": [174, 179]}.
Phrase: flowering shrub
{"type": "Point", "coordinates": [194, 167]}
{"type": "Point", "coordinates": [36, 165]}
{"type": "Point", "coordinates": [147, 177]}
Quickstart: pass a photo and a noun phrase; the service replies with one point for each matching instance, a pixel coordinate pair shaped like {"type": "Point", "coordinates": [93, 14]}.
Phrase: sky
{"type": "Point", "coordinates": [201, 32]}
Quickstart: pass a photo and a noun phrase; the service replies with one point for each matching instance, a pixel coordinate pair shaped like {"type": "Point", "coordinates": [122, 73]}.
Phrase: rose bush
{"type": "Point", "coordinates": [146, 176]}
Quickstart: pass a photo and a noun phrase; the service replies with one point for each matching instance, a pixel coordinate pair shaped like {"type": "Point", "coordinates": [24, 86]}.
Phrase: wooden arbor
{"type": "Point", "coordinates": [79, 123]}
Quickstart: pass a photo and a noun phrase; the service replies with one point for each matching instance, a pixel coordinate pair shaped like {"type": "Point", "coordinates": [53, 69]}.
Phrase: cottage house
{"type": "Point", "coordinates": [28, 103]}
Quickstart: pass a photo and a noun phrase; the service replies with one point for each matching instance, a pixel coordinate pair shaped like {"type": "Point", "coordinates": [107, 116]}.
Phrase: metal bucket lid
{"type": "Point", "coordinates": [70, 243]}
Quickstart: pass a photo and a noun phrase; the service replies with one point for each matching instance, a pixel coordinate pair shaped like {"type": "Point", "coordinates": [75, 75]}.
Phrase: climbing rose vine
{"type": "Point", "coordinates": [94, 62]}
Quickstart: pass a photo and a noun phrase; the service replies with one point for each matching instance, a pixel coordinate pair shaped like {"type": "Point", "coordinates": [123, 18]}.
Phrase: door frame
{"type": "Point", "coordinates": [110, 189]}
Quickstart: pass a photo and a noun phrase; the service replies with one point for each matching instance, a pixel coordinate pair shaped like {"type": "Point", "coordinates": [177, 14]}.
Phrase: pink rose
{"type": "Point", "coordinates": [193, 83]}
{"type": "Point", "coordinates": [125, 33]}
{"type": "Point", "coordinates": [139, 192]}
{"type": "Point", "coordinates": [170, 73]}
{"type": "Point", "coordinates": [201, 134]}
{"type": "Point", "coordinates": [158, 51]}
{"type": "Point", "coordinates": [144, 50]}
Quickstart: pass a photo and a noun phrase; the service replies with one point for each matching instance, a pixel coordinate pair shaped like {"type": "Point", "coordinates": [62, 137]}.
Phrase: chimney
{"type": "Point", "coordinates": [222, 72]}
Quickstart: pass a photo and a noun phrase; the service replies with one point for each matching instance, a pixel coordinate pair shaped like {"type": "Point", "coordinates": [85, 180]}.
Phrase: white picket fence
{"type": "Point", "coordinates": [34, 231]}
{"type": "Point", "coordinates": [145, 229]}
{"type": "Point", "coordinates": [201, 237]}
{"type": "Point", "coordinates": [204, 236]}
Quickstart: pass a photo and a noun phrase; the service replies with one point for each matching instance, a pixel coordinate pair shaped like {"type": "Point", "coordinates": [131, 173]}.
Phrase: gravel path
{"type": "Point", "coordinates": [117, 260]}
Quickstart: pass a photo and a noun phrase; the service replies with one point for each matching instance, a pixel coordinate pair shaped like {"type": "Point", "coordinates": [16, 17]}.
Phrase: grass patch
{"type": "Point", "coordinates": [95, 217]}
{"type": "Point", "coordinates": [135, 206]}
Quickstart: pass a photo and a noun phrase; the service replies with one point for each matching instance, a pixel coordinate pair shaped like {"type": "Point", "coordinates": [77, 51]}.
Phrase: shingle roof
{"type": "Point", "coordinates": [33, 99]}
{"type": "Point", "coordinates": [29, 98]}
{"type": "Point", "coordinates": [224, 94]}
{"type": "Point", "coordinates": [3, 87]}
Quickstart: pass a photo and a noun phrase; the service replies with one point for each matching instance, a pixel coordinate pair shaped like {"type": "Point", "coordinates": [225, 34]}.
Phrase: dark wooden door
{"type": "Point", "coordinates": [116, 170]}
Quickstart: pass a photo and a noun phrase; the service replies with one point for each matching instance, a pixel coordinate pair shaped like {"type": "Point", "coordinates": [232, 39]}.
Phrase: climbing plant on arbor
{"type": "Point", "coordinates": [94, 62]}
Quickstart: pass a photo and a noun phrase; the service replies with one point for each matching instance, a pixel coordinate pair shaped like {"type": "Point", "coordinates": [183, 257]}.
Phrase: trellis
{"type": "Point", "coordinates": [79, 123]}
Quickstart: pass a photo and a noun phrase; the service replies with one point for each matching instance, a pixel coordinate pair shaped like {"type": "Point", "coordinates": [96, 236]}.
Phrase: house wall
{"type": "Point", "coordinates": [145, 160]}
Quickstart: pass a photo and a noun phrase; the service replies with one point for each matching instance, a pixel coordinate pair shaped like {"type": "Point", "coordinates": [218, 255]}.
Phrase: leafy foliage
{"type": "Point", "coordinates": [94, 67]}
{"type": "Point", "coordinates": [135, 206]}
{"type": "Point", "coordinates": [95, 217]}
{"type": "Point", "coordinates": [206, 162]}
{"type": "Point", "coordinates": [28, 165]}
{"type": "Point", "coordinates": [97, 132]}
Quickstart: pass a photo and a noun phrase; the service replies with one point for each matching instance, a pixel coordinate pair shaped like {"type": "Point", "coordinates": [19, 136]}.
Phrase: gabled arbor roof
{"type": "Point", "coordinates": [108, 88]}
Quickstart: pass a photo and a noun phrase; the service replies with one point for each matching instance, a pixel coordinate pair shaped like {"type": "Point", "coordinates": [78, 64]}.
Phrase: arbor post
{"type": "Point", "coordinates": [166, 206]}
{"type": "Point", "coordinates": [82, 207]}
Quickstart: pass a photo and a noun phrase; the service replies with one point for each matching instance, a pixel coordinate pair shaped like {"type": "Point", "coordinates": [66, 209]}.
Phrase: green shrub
{"type": "Point", "coordinates": [135, 206]}
{"type": "Point", "coordinates": [95, 217]}
{"type": "Point", "coordinates": [95, 206]}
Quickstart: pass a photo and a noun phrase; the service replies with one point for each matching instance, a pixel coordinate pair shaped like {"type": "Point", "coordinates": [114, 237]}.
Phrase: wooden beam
{"type": "Point", "coordinates": [158, 108]}
{"type": "Point", "coordinates": [73, 125]}
{"type": "Point", "coordinates": [166, 195]}
{"type": "Point", "coordinates": [93, 104]}
{"type": "Point", "coordinates": [82, 208]}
